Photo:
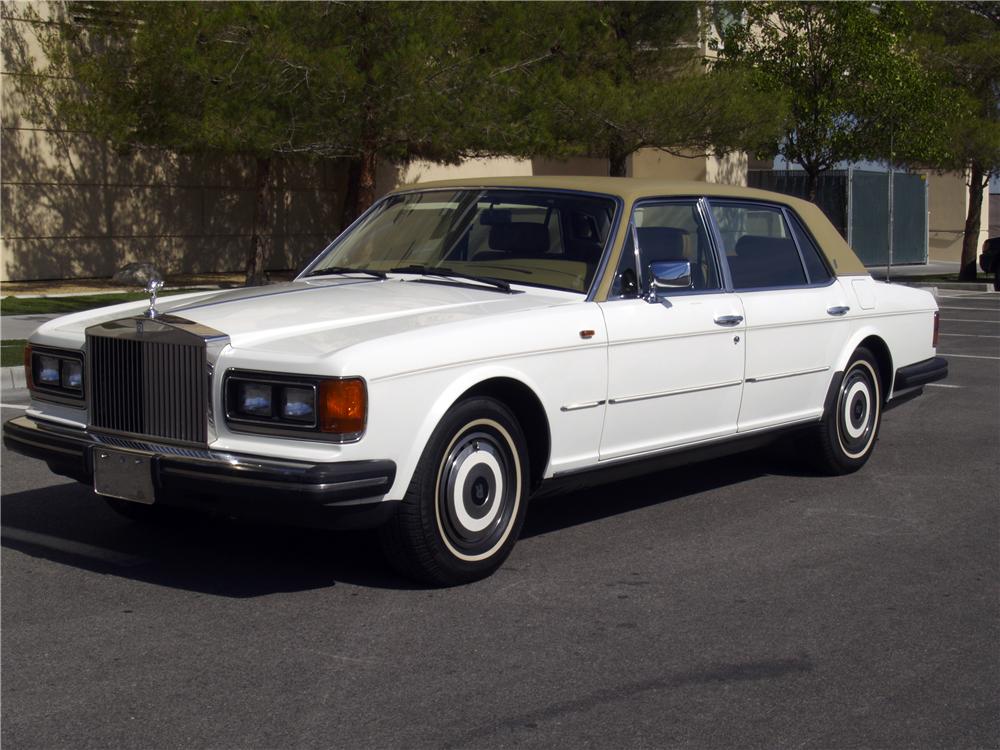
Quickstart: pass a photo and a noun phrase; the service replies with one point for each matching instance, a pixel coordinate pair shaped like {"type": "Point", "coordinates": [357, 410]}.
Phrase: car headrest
{"type": "Point", "coordinates": [520, 238]}
{"type": "Point", "coordinates": [662, 243]}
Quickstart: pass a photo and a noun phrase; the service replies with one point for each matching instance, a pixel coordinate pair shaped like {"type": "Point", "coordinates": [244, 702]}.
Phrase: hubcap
{"type": "Point", "coordinates": [478, 490]}
{"type": "Point", "coordinates": [858, 409]}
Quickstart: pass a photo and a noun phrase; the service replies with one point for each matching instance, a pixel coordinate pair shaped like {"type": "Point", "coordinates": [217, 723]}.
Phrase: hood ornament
{"type": "Point", "coordinates": [152, 287]}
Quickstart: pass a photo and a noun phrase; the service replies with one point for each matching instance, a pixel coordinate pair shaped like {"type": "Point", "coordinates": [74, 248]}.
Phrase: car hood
{"type": "Point", "coordinates": [321, 316]}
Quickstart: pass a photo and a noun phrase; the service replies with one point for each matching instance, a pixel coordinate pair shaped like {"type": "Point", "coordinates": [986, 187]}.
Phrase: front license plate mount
{"type": "Point", "coordinates": [125, 475]}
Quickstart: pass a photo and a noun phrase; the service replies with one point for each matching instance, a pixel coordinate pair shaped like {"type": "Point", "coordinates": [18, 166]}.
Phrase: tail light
{"type": "Point", "coordinates": [937, 325]}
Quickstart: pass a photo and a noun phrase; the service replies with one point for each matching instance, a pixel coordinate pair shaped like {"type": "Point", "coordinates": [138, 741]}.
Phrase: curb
{"type": "Point", "coordinates": [972, 286]}
{"type": "Point", "coordinates": [12, 377]}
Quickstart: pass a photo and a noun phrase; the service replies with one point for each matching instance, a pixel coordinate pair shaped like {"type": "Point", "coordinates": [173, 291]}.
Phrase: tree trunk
{"type": "Point", "coordinates": [351, 211]}
{"type": "Point", "coordinates": [260, 239]}
{"type": "Point", "coordinates": [366, 175]}
{"type": "Point", "coordinates": [970, 241]}
{"type": "Point", "coordinates": [617, 158]}
{"type": "Point", "coordinates": [812, 183]}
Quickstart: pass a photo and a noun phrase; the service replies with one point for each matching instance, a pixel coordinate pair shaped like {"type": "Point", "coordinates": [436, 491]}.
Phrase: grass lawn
{"type": "Point", "coordinates": [41, 305]}
{"type": "Point", "coordinates": [12, 352]}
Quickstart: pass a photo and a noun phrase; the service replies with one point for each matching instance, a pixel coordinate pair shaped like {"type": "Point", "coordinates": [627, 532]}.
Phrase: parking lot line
{"type": "Point", "coordinates": [944, 385]}
{"type": "Point", "coordinates": [963, 307]}
{"type": "Point", "coordinates": [13, 406]}
{"type": "Point", "coordinates": [968, 356]}
{"type": "Point", "coordinates": [966, 320]}
{"type": "Point", "coordinates": [972, 335]}
{"type": "Point", "coordinates": [80, 549]}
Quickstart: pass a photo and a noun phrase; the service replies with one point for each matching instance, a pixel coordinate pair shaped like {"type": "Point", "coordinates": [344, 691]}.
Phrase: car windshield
{"type": "Point", "coordinates": [539, 238]}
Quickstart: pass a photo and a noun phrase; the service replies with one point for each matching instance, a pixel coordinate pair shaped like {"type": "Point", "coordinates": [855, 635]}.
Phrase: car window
{"type": "Point", "coordinates": [552, 239]}
{"type": "Point", "coordinates": [759, 246]}
{"type": "Point", "coordinates": [667, 231]}
{"type": "Point", "coordinates": [811, 256]}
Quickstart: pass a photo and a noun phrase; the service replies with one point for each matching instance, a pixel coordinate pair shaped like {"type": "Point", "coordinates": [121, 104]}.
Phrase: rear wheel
{"type": "Point", "coordinates": [846, 436]}
{"type": "Point", "coordinates": [466, 502]}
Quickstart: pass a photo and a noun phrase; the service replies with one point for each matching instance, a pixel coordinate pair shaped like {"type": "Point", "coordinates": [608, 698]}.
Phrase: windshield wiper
{"type": "Point", "coordinates": [450, 273]}
{"type": "Point", "coordinates": [344, 269]}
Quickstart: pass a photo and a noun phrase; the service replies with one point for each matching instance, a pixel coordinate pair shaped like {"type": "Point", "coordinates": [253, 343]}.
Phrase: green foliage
{"type": "Point", "coordinates": [854, 90]}
{"type": "Point", "coordinates": [12, 352]}
{"type": "Point", "coordinates": [631, 75]}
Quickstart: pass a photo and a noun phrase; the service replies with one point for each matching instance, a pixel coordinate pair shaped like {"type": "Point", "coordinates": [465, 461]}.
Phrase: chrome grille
{"type": "Point", "coordinates": [145, 386]}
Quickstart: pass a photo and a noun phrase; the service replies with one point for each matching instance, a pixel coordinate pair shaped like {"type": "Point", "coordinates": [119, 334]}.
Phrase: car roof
{"type": "Point", "coordinates": [842, 258]}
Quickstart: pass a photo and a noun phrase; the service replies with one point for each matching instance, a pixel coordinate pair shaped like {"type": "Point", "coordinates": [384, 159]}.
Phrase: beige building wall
{"type": "Point", "coordinates": [947, 207]}
{"type": "Point", "coordinates": [70, 206]}
{"type": "Point", "coordinates": [730, 169]}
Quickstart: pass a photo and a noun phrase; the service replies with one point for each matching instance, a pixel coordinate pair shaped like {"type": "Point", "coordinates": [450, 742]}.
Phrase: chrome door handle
{"type": "Point", "coordinates": [840, 310]}
{"type": "Point", "coordinates": [729, 320]}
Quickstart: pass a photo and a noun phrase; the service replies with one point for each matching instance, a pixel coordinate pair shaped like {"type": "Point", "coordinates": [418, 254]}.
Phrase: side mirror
{"type": "Point", "coordinates": [666, 275]}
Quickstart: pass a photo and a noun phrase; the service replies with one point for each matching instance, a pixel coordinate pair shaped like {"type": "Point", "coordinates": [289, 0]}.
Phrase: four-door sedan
{"type": "Point", "coordinates": [465, 344]}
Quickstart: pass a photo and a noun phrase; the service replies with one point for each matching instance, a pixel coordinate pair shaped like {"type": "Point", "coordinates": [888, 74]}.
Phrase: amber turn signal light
{"type": "Point", "coordinates": [343, 406]}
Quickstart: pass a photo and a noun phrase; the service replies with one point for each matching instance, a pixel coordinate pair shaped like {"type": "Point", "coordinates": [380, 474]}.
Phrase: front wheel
{"type": "Point", "coordinates": [466, 502]}
{"type": "Point", "coordinates": [845, 438]}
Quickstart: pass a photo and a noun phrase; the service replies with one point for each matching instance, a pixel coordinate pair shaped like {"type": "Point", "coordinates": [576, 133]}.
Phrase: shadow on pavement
{"type": "Point", "coordinates": [68, 525]}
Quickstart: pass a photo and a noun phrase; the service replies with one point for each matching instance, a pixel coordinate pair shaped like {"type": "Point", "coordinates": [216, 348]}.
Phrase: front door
{"type": "Point", "coordinates": [675, 361]}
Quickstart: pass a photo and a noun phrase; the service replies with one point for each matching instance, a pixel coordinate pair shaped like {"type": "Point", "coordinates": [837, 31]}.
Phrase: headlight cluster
{"type": "Point", "coordinates": [54, 372]}
{"type": "Point", "coordinates": [292, 405]}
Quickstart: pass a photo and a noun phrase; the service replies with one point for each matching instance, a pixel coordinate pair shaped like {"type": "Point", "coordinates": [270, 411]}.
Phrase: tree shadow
{"type": "Point", "coordinates": [68, 525]}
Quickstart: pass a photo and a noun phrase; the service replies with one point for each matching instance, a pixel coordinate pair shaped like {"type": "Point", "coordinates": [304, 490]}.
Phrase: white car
{"type": "Point", "coordinates": [466, 344]}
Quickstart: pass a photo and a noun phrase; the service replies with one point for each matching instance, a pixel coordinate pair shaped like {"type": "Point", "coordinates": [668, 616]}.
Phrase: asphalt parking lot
{"type": "Point", "coordinates": [738, 603]}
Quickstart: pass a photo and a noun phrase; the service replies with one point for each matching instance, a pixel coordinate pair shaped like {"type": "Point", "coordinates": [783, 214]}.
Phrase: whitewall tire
{"type": "Point", "coordinates": [465, 505]}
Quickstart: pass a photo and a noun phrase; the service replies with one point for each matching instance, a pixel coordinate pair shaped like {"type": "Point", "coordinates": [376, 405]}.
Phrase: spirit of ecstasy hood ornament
{"type": "Point", "coordinates": [154, 286]}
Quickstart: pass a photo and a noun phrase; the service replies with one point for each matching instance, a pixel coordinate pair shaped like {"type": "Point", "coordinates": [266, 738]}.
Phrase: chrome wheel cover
{"type": "Point", "coordinates": [478, 490]}
{"type": "Point", "coordinates": [858, 409]}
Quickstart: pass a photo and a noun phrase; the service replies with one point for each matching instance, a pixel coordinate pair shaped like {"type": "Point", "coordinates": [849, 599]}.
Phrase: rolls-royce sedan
{"type": "Point", "coordinates": [465, 345]}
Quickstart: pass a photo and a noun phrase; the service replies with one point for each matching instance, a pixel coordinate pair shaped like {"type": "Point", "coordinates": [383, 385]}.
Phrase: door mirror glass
{"type": "Point", "coordinates": [668, 275]}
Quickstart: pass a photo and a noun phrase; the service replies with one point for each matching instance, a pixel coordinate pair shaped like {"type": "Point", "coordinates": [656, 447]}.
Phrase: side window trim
{"type": "Point", "coordinates": [798, 227]}
{"type": "Point", "coordinates": [700, 206]}
{"type": "Point", "coordinates": [782, 209]}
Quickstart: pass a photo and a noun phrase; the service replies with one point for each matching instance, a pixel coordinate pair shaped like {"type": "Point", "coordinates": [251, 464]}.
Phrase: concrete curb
{"type": "Point", "coordinates": [12, 377]}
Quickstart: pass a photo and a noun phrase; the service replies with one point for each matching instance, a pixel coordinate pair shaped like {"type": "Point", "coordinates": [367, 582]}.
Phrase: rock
{"type": "Point", "coordinates": [136, 274]}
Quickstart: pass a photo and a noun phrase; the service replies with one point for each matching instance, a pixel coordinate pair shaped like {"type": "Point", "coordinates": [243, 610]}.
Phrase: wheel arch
{"type": "Point", "coordinates": [874, 343]}
{"type": "Point", "coordinates": [530, 414]}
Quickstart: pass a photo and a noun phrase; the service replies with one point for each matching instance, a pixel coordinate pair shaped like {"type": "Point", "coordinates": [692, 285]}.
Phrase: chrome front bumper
{"type": "Point", "coordinates": [339, 494]}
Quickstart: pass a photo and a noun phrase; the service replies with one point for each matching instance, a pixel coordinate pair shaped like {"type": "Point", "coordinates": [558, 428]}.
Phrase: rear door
{"type": "Point", "coordinates": [796, 312]}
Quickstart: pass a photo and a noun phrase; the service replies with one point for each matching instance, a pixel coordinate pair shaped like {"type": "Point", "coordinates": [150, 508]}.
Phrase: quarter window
{"type": "Point", "coordinates": [759, 246]}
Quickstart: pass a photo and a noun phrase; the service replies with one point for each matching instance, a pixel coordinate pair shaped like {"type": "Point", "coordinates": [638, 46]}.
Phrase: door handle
{"type": "Point", "coordinates": [839, 310]}
{"type": "Point", "coordinates": [729, 320]}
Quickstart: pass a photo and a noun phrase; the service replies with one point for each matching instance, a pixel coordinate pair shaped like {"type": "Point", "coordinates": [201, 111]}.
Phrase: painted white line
{"type": "Point", "coordinates": [969, 356]}
{"type": "Point", "coordinates": [967, 320]}
{"type": "Point", "coordinates": [954, 307]}
{"type": "Point", "coordinates": [971, 335]}
{"type": "Point", "coordinates": [25, 406]}
{"type": "Point", "coordinates": [943, 385]}
{"type": "Point", "coordinates": [69, 546]}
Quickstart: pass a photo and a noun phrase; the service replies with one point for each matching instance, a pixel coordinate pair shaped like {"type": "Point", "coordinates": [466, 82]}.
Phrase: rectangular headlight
{"type": "Point", "coordinates": [295, 405]}
{"type": "Point", "coordinates": [56, 373]}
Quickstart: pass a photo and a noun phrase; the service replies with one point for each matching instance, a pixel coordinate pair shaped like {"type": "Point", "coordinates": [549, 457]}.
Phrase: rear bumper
{"type": "Point", "coordinates": [334, 495]}
{"type": "Point", "coordinates": [920, 373]}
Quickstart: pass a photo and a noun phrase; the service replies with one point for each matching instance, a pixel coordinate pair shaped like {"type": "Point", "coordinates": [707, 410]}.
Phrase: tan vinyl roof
{"type": "Point", "coordinates": [629, 189]}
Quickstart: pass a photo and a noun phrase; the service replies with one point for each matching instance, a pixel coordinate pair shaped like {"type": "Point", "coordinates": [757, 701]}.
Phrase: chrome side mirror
{"type": "Point", "coordinates": [666, 275]}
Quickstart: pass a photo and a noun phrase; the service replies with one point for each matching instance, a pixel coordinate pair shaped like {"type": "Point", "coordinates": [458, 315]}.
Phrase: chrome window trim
{"type": "Point", "coordinates": [599, 269]}
{"type": "Point", "coordinates": [781, 208]}
{"type": "Point", "coordinates": [312, 433]}
{"type": "Point", "coordinates": [713, 244]}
